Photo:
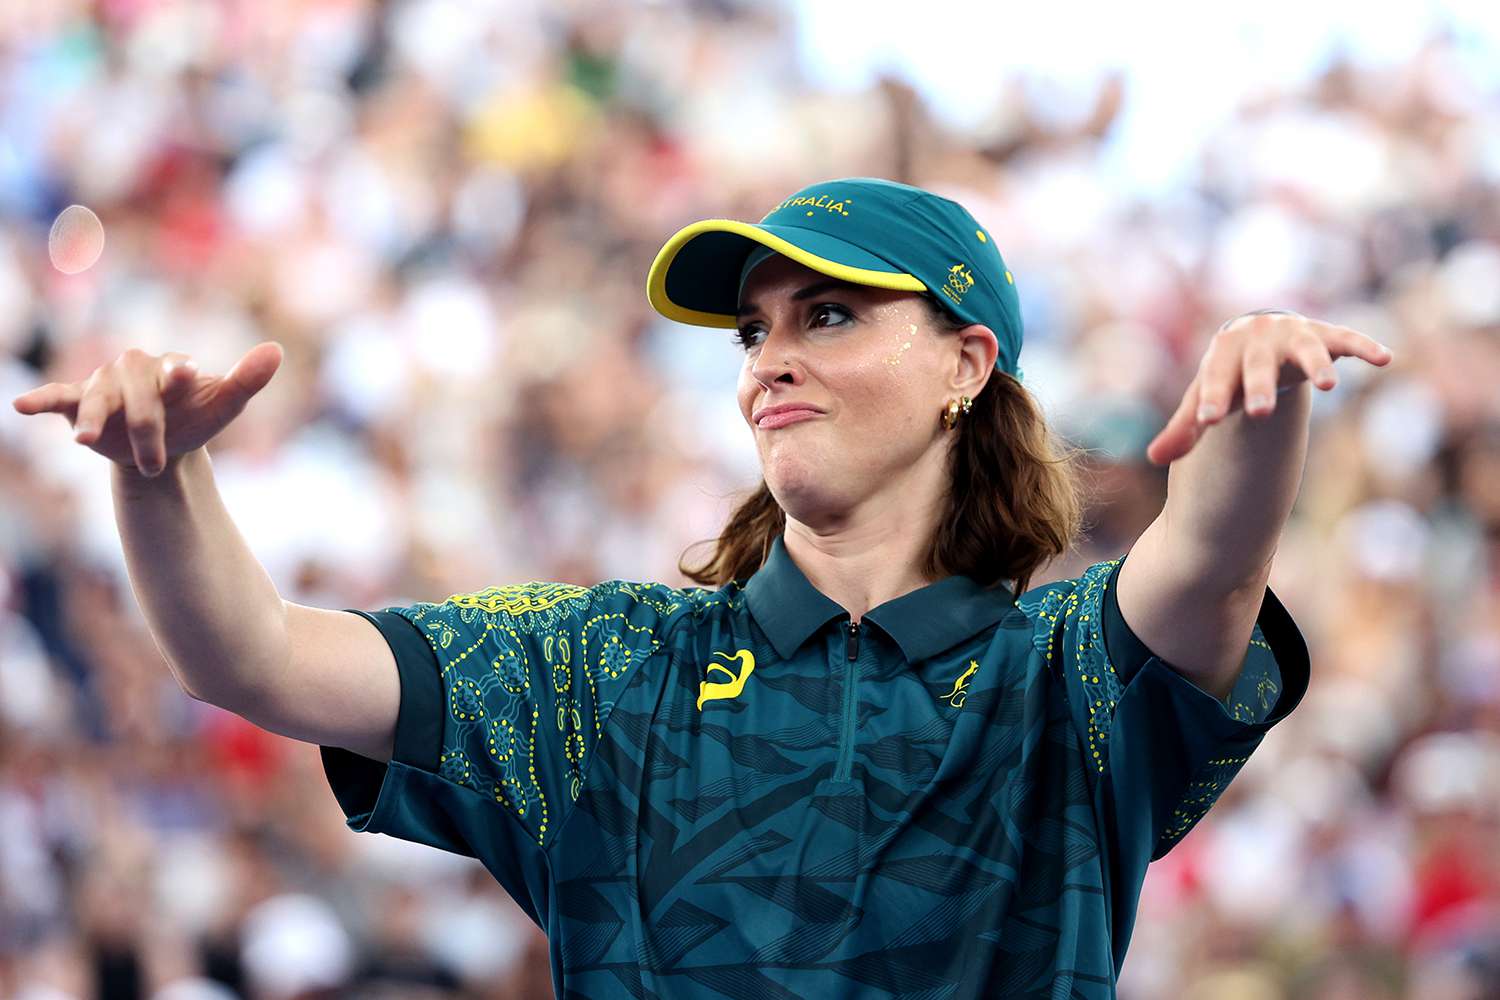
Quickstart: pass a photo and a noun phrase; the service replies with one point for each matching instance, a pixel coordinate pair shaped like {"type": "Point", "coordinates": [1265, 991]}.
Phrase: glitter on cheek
{"type": "Point", "coordinates": [895, 359]}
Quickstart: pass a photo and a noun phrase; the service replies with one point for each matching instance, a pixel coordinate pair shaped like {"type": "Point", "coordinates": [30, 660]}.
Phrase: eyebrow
{"type": "Point", "coordinates": [816, 288]}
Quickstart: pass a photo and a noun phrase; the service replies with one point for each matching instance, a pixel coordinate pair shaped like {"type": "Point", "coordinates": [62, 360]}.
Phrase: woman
{"type": "Point", "coordinates": [864, 759]}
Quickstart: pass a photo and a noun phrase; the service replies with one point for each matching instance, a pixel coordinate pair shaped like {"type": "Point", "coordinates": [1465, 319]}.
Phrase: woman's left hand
{"type": "Point", "coordinates": [1253, 357]}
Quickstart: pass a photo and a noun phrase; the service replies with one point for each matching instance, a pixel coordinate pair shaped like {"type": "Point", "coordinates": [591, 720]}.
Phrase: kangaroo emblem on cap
{"type": "Point", "coordinates": [960, 280]}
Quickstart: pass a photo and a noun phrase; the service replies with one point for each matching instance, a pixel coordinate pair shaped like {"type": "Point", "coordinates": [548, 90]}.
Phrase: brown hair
{"type": "Point", "coordinates": [1016, 498]}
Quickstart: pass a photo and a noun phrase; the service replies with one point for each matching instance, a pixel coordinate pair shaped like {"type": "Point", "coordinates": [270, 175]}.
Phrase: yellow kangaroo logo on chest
{"type": "Point", "coordinates": [709, 690]}
{"type": "Point", "coordinates": [960, 692]}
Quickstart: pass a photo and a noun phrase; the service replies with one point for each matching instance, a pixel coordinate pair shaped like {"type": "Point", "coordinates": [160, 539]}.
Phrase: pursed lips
{"type": "Point", "coordinates": [780, 418]}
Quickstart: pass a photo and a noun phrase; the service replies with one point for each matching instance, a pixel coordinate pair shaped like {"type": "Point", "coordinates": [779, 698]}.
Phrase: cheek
{"type": "Point", "coordinates": [896, 346]}
{"type": "Point", "coordinates": [745, 390]}
{"type": "Point", "coordinates": [886, 385]}
{"type": "Point", "coordinates": [887, 359]}
{"type": "Point", "coordinates": [900, 362]}
{"type": "Point", "coordinates": [901, 365]}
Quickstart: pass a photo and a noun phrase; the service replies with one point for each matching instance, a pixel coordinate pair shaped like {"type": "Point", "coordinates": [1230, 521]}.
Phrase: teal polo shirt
{"type": "Point", "coordinates": [740, 793]}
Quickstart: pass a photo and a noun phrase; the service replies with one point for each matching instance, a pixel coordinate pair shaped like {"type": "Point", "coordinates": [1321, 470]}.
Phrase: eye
{"type": "Point", "coordinates": [817, 309]}
{"type": "Point", "coordinates": [746, 335]}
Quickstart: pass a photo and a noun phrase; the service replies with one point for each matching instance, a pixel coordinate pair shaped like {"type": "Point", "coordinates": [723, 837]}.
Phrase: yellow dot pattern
{"type": "Point", "coordinates": [465, 701]}
{"type": "Point", "coordinates": [530, 672]}
{"type": "Point", "coordinates": [1069, 635]}
{"type": "Point", "coordinates": [1071, 613]}
{"type": "Point", "coordinates": [502, 741]}
{"type": "Point", "coordinates": [619, 646]}
{"type": "Point", "coordinates": [455, 766]}
{"type": "Point", "coordinates": [541, 835]}
{"type": "Point", "coordinates": [1202, 792]}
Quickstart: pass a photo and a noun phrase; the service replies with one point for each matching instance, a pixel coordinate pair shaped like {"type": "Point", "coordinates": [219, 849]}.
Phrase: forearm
{"type": "Point", "coordinates": [1230, 496]}
{"type": "Point", "coordinates": [211, 607]}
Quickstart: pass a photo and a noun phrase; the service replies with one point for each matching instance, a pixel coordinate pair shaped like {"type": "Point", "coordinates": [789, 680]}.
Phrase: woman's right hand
{"type": "Point", "coordinates": [141, 410]}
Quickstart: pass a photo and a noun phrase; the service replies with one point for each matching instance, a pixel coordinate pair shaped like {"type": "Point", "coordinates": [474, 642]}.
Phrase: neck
{"type": "Point", "coordinates": [873, 558]}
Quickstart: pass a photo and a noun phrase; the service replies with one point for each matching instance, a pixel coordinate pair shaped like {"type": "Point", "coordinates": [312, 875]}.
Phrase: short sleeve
{"type": "Point", "coordinates": [1159, 749]}
{"type": "Point", "coordinates": [504, 694]}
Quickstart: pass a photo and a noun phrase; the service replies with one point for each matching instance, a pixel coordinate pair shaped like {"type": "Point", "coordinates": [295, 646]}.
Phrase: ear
{"type": "Point", "coordinates": [977, 350]}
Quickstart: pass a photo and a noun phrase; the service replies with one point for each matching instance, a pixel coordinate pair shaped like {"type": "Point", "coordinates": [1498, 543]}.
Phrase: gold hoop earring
{"type": "Point", "coordinates": [956, 408]}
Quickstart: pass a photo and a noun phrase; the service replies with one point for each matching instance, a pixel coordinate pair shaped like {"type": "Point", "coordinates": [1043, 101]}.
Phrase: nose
{"type": "Point", "coordinates": [776, 355]}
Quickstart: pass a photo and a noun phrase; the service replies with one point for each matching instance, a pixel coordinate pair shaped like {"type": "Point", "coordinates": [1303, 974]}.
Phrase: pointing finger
{"type": "Point", "coordinates": [1350, 342]}
{"type": "Point", "coordinates": [49, 397]}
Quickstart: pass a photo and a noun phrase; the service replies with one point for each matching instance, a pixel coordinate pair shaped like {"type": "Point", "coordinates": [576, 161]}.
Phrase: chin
{"type": "Point", "coordinates": [798, 482]}
{"type": "Point", "coordinates": [787, 473]}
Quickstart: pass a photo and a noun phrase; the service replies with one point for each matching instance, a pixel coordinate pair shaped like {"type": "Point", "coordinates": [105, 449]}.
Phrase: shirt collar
{"type": "Point", "coordinates": [789, 609]}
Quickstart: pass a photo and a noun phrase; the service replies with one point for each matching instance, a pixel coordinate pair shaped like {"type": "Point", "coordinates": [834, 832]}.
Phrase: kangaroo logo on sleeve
{"type": "Point", "coordinates": [710, 690]}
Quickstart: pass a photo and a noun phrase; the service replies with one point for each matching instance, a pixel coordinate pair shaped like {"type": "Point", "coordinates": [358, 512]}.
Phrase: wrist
{"type": "Point", "coordinates": [133, 479]}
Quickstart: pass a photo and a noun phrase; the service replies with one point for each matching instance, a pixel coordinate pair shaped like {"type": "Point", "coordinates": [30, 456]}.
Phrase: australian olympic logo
{"type": "Point", "coordinates": [960, 280]}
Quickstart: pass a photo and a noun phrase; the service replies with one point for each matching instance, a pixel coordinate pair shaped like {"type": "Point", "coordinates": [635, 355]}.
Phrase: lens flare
{"type": "Point", "coordinates": [76, 240]}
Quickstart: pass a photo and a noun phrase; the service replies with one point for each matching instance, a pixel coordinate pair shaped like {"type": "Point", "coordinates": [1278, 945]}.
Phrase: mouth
{"type": "Point", "coordinates": [771, 421]}
{"type": "Point", "coordinates": [763, 416]}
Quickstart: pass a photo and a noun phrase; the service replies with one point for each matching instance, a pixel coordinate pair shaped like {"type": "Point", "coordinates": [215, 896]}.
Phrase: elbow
{"type": "Point", "coordinates": [222, 696]}
{"type": "Point", "coordinates": [198, 694]}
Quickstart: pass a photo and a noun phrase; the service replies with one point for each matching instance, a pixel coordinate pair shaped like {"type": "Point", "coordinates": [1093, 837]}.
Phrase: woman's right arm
{"type": "Point", "coordinates": [327, 677]}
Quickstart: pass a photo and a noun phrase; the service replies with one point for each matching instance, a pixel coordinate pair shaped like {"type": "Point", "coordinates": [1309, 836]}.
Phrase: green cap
{"type": "Point", "coordinates": [865, 230]}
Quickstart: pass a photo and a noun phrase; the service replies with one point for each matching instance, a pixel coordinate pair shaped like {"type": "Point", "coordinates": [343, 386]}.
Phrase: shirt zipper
{"type": "Point", "coordinates": [851, 673]}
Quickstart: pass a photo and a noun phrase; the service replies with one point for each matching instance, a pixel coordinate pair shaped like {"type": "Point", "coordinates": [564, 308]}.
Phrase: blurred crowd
{"type": "Point", "coordinates": [445, 213]}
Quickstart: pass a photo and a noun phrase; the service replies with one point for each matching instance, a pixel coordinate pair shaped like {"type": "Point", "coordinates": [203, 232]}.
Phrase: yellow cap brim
{"type": "Point", "coordinates": [695, 277]}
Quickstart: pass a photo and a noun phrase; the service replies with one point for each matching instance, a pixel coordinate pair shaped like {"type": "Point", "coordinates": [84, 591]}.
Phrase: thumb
{"type": "Point", "coordinates": [251, 373]}
{"type": "Point", "coordinates": [1181, 432]}
{"type": "Point", "coordinates": [1172, 443]}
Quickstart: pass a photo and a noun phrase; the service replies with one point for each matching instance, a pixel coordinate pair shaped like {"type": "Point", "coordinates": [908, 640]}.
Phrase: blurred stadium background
{"type": "Point", "coordinates": [445, 211]}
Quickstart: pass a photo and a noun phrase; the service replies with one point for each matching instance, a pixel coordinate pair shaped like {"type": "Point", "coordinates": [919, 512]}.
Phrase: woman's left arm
{"type": "Point", "coordinates": [1192, 584]}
